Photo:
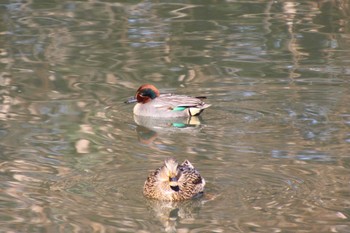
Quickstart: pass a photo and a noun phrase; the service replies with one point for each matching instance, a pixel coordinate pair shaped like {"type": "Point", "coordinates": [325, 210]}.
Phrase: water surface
{"type": "Point", "coordinates": [273, 147]}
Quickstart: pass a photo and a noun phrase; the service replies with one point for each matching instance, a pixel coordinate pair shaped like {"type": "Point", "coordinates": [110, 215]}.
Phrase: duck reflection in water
{"type": "Point", "coordinates": [149, 128]}
{"type": "Point", "coordinates": [170, 213]}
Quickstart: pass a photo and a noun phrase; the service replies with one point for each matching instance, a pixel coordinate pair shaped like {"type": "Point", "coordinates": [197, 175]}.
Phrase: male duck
{"type": "Point", "coordinates": [151, 103]}
{"type": "Point", "coordinates": [174, 182]}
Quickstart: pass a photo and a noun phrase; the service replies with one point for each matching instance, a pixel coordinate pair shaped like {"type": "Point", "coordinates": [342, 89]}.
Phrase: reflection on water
{"type": "Point", "coordinates": [170, 214]}
{"type": "Point", "coordinates": [148, 128]}
{"type": "Point", "coordinates": [273, 147]}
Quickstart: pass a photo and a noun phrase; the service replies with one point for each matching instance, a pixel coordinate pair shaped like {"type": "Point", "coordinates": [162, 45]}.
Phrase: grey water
{"type": "Point", "coordinates": [273, 147]}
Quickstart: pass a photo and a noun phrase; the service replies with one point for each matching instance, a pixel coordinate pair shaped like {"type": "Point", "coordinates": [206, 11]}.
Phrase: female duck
{"type": "Point", "coordinates": [153, 104]}
{"type": "Point", "coordinates": [174, 182]}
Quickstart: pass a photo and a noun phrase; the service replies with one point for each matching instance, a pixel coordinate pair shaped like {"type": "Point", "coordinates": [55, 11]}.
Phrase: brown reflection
{"type": "Point", "coordinates": [22, 193]}
{"type": "Point", "coordinates": [312, 11]}
{"type": "Point", "coordinates": [145, 135]}
{"type": "Point", "coordinates": [170, 214]}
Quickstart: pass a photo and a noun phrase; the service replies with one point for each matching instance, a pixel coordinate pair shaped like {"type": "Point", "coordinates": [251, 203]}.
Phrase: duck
{"type": "Point", "coordinates": [174, 182]}
{"type": "Point", "coordinates": [151, 103]}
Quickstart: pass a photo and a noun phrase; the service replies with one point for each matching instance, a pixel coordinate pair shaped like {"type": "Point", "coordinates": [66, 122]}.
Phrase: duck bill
{"type": "Point", "coordinates": [131, 100]}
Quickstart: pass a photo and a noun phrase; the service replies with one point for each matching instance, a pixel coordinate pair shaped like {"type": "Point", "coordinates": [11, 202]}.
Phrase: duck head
{"type": "Point", "coordinates": [170, 174]}
{"type": "Point", "coordinates": [146, 93]}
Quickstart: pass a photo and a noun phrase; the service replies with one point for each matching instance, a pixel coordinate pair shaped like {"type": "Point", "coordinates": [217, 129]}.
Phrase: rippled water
{"type": "Point", "coordinates": [273, 147]}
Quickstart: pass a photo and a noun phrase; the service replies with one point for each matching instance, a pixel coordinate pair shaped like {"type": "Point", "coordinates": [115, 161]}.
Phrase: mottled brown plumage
{"type": "Point", "coordinates": [174, 182]}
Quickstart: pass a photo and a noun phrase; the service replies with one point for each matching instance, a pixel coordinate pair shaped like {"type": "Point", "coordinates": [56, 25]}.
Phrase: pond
{"type": "Point", "coordinates": [273, 147]}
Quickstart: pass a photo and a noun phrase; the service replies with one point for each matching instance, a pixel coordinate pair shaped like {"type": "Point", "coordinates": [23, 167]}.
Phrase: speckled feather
{"type": "Point", "coordinates": [190, 183]}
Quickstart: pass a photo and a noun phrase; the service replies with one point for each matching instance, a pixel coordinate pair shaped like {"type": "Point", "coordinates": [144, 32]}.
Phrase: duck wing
{"type": "Point", "coordinates": [183, 101]}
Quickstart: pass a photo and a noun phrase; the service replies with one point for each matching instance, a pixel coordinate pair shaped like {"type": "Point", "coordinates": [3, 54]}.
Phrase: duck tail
{"type": "Point", "coordinates": [196, 111]}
